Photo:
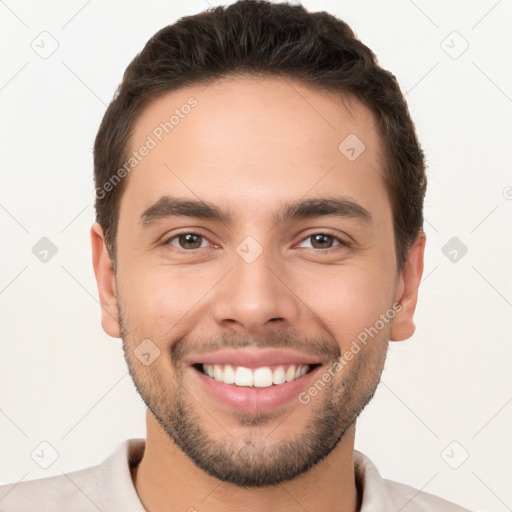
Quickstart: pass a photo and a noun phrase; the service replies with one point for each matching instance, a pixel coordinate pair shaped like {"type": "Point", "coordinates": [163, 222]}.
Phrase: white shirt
{"type": "Point", "coordinates": [108, 487]}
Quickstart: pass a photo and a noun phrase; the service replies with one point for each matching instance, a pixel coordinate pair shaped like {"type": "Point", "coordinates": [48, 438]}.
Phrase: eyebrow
{"type": "Point", "coordinates": [170, 206]}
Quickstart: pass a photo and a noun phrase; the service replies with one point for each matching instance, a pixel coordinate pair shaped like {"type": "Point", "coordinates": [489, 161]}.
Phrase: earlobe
{"type": "Point", "coordinates": [105, 280]}
{"type": "Point", "coordinates": [407, 291]}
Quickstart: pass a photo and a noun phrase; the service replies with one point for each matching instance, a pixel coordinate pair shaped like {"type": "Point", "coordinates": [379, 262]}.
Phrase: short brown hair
{"type": "Point", "coordinates": [269, 39]}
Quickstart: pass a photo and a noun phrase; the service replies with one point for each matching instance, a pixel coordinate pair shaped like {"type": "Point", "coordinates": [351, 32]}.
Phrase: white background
{"type": "Point", "coordinates": [64, 381]}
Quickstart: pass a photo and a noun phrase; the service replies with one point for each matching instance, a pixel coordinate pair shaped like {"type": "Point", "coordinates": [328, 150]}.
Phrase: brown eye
{"type": "Point", "coordinates": [187, 241]}
{"type": "Point", "coordinates": [324, 241]}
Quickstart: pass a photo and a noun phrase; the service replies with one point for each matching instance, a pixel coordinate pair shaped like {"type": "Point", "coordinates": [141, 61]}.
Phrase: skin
{"type": "Point", "coordinates": [249, 145]}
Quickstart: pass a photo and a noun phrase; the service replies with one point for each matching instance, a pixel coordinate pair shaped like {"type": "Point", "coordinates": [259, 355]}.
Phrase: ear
{"type": "Point", "coordinates": [407, 291]}
{"type": "Point", "coordinates": [105, 279]}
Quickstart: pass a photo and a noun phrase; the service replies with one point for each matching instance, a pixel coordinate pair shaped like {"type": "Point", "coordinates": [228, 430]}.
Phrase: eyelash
{"type": "Point", "coordinates": [328, 250]}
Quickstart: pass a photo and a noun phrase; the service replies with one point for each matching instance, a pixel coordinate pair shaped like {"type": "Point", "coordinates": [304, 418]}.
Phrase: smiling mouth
{"type": "Point", "coordinates": [261, 377]}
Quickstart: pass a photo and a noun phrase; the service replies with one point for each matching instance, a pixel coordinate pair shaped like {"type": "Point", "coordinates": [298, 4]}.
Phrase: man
{"type": "Point", "coordinates": [258, 243]}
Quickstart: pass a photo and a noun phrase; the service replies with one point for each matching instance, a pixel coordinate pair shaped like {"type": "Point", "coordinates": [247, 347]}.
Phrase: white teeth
{"type": "Point", "coordinates": [263, 377]}
{"type": "Point", "coordinates": [217, 372]}
{"type": "Point", "coordinates": [260, 377]}
{"type": "Point", "coordinates": [290, 373]}
{"type": "Point", "coordinates": [229, 375]}
{"type": "Point", "coordinates": [243, 376]}
{"type": "Point", "coordinates": [278, 376]}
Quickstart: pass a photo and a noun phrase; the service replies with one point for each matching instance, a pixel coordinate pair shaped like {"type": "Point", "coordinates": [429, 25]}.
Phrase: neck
{"type": "Point", "coordinates": [166, 476]}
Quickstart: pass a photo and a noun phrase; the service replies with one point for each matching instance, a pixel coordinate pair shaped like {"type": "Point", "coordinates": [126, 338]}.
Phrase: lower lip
{"type": "Point", "coordinates": [251, 399]}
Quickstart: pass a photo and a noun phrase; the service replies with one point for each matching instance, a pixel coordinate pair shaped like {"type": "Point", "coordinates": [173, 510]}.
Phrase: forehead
{"type": "Point", "coordinates": [244, 141]}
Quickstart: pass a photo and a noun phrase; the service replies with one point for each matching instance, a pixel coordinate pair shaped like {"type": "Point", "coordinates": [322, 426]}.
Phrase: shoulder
{"type": "Point", "coordinates": [380, 494]}
{"type": "Point", "coordinates": [71, 491]}
{"type": "Point", "coordinates": [409, 499]}
{"type": "Point", "coordinates": [106, 486]}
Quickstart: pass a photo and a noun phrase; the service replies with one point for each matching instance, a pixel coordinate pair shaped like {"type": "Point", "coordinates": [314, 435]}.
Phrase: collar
{"type": "Point", "coordinates": [114, 480]}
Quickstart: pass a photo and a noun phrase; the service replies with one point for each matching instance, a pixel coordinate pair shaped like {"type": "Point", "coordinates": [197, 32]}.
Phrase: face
{"type": "Point", "coordinates": [247, 238]}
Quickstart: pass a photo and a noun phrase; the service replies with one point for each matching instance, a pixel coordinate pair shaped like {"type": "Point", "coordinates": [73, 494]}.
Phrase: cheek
{"type": "Point", "coordinates": [348, 301]}
{"type": "Point", "coordinates": [161, 303]}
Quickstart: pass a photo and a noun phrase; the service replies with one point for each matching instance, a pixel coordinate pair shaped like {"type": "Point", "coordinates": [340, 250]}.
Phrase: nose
{"type": "Point", "coordinates": [256, 296]}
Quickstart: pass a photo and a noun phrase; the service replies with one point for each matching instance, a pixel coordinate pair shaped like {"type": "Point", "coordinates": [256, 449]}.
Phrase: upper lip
{"type": "Point", "coordinates": [254, 358]}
